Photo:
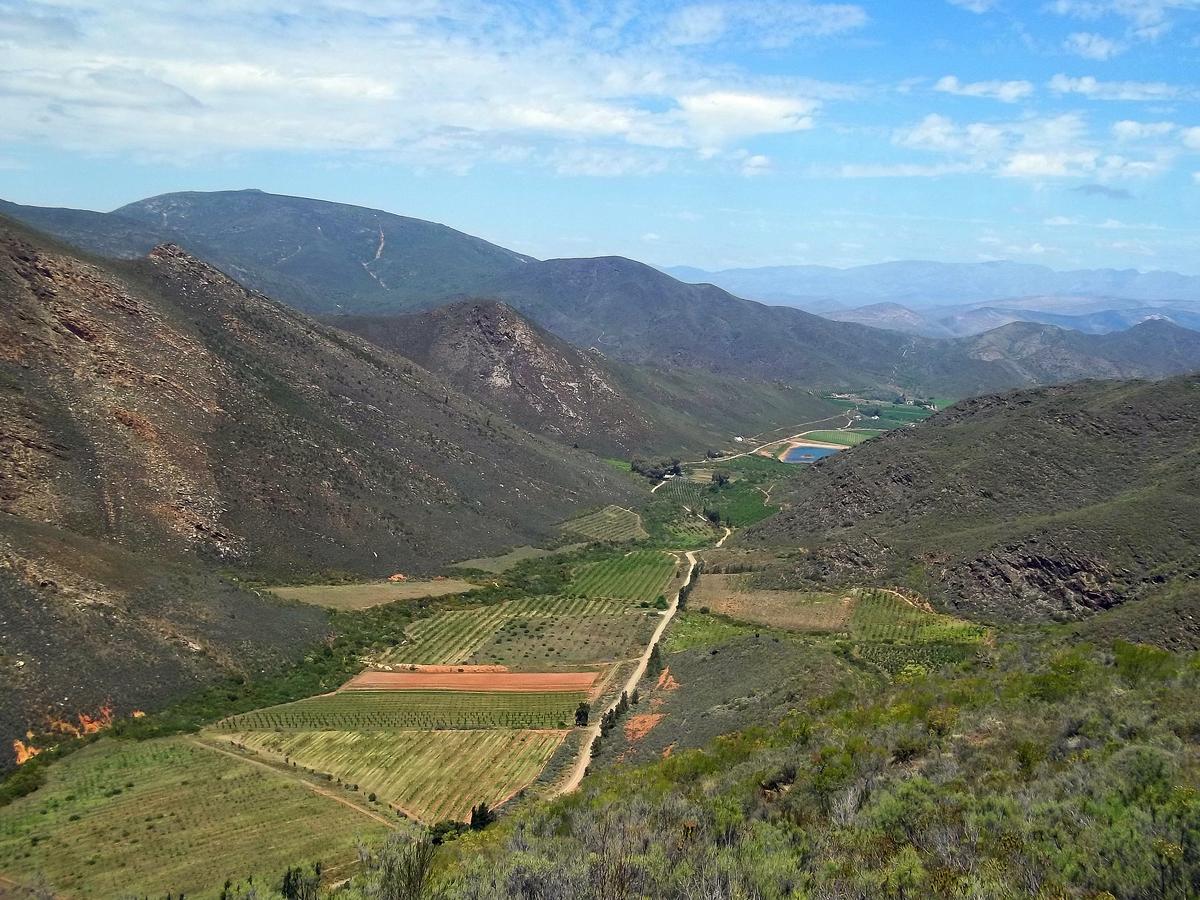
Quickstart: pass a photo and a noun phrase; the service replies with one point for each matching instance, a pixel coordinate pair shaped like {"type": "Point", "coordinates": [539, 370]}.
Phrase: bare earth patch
{"type": "Point", "coordinates": [375, 593]}
{"type": "Point", "coordinates": [637, 727]}
{"type": "Point", "coordinates": [730, 596]}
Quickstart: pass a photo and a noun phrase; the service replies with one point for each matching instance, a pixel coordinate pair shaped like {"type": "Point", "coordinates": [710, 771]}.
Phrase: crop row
{"type": "Point", "coordinates": [613, 523]}
{"type": "Point", "coordinates": [435, 775]}
{"type": "Point", "coordinates": [638, 576]}
{"type": "Point", "coordinates": [413, 710]}
{"type": "Point", "coordinates": [456, 635]}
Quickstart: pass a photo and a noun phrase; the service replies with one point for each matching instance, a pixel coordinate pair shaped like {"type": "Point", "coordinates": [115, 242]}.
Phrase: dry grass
{"type": "Point", "coordinates": [375, 593]}
{"type": "Point", "coordinates": [728, 595]}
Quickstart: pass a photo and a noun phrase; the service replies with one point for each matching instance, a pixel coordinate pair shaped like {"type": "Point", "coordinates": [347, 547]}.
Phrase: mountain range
{"type": "Point", "coordinates": [329, 258]}
{"type": "Point", "coordinates": [920, 284]}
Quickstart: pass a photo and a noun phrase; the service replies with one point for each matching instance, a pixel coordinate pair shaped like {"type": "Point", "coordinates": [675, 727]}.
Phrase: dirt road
{"type": "Point", "coordinates": [593, 730]}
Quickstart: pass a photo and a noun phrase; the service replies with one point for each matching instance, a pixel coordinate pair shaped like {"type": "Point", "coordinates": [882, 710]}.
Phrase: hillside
{"type": "Point", "coordinates": [334, 258]}
{"type": "Point", "coordinates": [1038, 504]}
{"type": "Point", "coordinates": [160, 421]}
{"type": "Point", "coordinates": [490, 351]}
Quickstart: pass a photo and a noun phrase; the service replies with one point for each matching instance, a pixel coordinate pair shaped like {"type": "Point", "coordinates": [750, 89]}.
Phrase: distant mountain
{"type": "Point", "coordinates": [1050, 503]}
{"type": "Point", "coordinates": [164, 425]}
{"type": "Point", "coordinates": [333, 258]}
{"type": "Point", "coordinates": [960, 321]}
{"type": "Point", "coordinates": [317, 256]}
{"type": "Point", "coordinates": [918, 284]}
{"type": "Point", "coordinates": [491, 352]}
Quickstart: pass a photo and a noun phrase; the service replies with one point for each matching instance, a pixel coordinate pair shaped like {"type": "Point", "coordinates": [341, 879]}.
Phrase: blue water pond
{"type": "Point", "coordinates": [808, 454]}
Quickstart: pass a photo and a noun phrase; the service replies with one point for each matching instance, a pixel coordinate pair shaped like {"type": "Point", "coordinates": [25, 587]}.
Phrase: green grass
{"type": "Point", "coordinates": [433, 775]}
{"type": "Point", "coordinates": [413, 710]}
{"type": "Point", "coordinates": [120, 819]}
{"type": "Point", "coordinates": [690, 629]}
{"type": "Point", "coordinates": [613, 523]}
{"type": "Point", "coordinates": [845, 438]}
{"type": "Point", "coordinates": [622, 465]}
{"type": "Point", "coordinates": [640, 576]}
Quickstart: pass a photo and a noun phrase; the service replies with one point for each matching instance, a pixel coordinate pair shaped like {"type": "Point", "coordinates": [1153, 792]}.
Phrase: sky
{"type": "Point", "coordinates": [713, 134]}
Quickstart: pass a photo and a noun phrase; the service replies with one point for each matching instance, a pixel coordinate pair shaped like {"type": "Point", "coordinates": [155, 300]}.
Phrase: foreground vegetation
{"type": "Point", "coordinates": [1052, 773]}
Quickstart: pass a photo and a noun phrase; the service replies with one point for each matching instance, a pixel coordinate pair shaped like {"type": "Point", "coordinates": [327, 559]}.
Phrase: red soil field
{"type": "Point", "coordinates": [501, 682]}
{"type": "Point", "coordinates": [430, 667]}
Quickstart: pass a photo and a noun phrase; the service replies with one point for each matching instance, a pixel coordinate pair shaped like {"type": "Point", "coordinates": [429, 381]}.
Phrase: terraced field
{"type": "Point", "coordinates": [432, 775]}
{"type": "Point", "coordinates": [640, 576]}
{"type": "Point", "coordinates": [148, 818]}
{"type": "Point", "coordinates": [413, 710]}
{"type": "Point", "coordinates": [576, 630]}
{"type": "Point", "coordinates": [691, 494]}
{"type": "Point", "coordinates": [613, 523]}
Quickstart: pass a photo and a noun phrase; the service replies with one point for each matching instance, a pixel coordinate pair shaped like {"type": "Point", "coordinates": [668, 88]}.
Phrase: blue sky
{"type": "Point", "coordinates": [717, 134]}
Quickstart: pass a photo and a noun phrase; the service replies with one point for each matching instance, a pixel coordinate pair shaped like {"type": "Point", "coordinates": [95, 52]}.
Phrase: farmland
{"type": "Point", "coordinates": [375, 593]}
{"type": "Point", "coordinates": [144, 818]}
{"type": "Point", "coordinates": [881, 616]}
{"type": "Point", "coordinates": [729, 595]}
{"type": "Point", "coordinates": [528, 632]}
{"type": "Point", "coordinates": [414, 710]}
{"type": "Point", "coordinates": [640, 576]}
{"type": "Point", "coordinates": [433, 775]}
{"type": "Point", "coordinates": [845, 438]}
{"type": "Point", "coordinates": [495, 565]}
{"type": "Point", "coordinates": [613, 523]}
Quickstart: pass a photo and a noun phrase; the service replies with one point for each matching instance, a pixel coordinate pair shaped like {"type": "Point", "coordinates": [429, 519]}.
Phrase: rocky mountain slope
{"type": "Point", "coordinates": [578, 396]}
{"type": "Point", "coordinates": [162, 423]}
{"type": "Point", "coordinates": [1039, 504]}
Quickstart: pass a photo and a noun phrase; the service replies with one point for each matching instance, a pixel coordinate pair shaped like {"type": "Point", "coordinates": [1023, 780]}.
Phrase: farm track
{"type": "Point", "coordinates": [593, 730]}
{"type": "Point", "coordinates": [279, 770]}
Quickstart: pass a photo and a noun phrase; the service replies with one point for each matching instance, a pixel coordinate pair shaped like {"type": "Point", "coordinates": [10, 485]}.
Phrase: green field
{"type": "Point", "coordinates": [613, 523]}
{"type": "Point", "coordinates": [691, 629]}
{"type": "Point", "coordinates": [413, 710]}
{"type": "Point", "coordinates": [587, 632]}
{"type": "Point", "coordinates": [640, 576]}
{"type": "Point", "coordinates": [845, 438]}
{"type": "Point", "coordinates": [576, 630]}
{"type": "Point", "coordinates": [432, 775]}
{"type": "Point", "coordinates": [879, 616]}
{"type": "Point", "coordinates": [121, 819]}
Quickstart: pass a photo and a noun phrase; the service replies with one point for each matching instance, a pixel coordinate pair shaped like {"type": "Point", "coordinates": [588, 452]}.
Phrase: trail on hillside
{"type": "Point", "coordinates": [593, 729]}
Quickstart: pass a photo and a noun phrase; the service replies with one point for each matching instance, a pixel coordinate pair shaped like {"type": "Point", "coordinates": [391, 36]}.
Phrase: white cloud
{"type": "Point", "coordinates": [719, 117]}
{"type": "Point", "coordinates": [576, 88]}
{"type": "Point", "coordinates": [1196, 177]}
{"type": "Point", "coordinates": [650, 237]}
{"type": "Point", "coordinates": [1006, 91]}
{"type": "Point", "coordinates": [756, 165]}
{"type": "Point", "coordinates": [768, 24]}
{"type": "Point", "coordinates": [1128, 130]}
{"type": "Point", "coordinates": [1089, 87]}
{"type": "Point", "coordinates": [1050, 165]}
{"type": "Point", "coordinates": [1191, 138]}
{"type": "Point", "coordinates": [1057, 221]}
{"type": "Point", "coordinates": [904, 170]}
{"type": "Point", "coordinates": [1092, 46]}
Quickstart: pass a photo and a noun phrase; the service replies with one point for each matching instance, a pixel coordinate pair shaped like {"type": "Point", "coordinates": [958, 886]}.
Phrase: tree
{"type": "Point", "coordinates": [401, 870]}
{"type": "Point", "coordinates": [481, 817]}
{"type": "Point", "coordinates": [301, 885]}
{"type": "Point", "coordinates": [582, 711]}
{"type": "Point", "coordinates": [634, 698]}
